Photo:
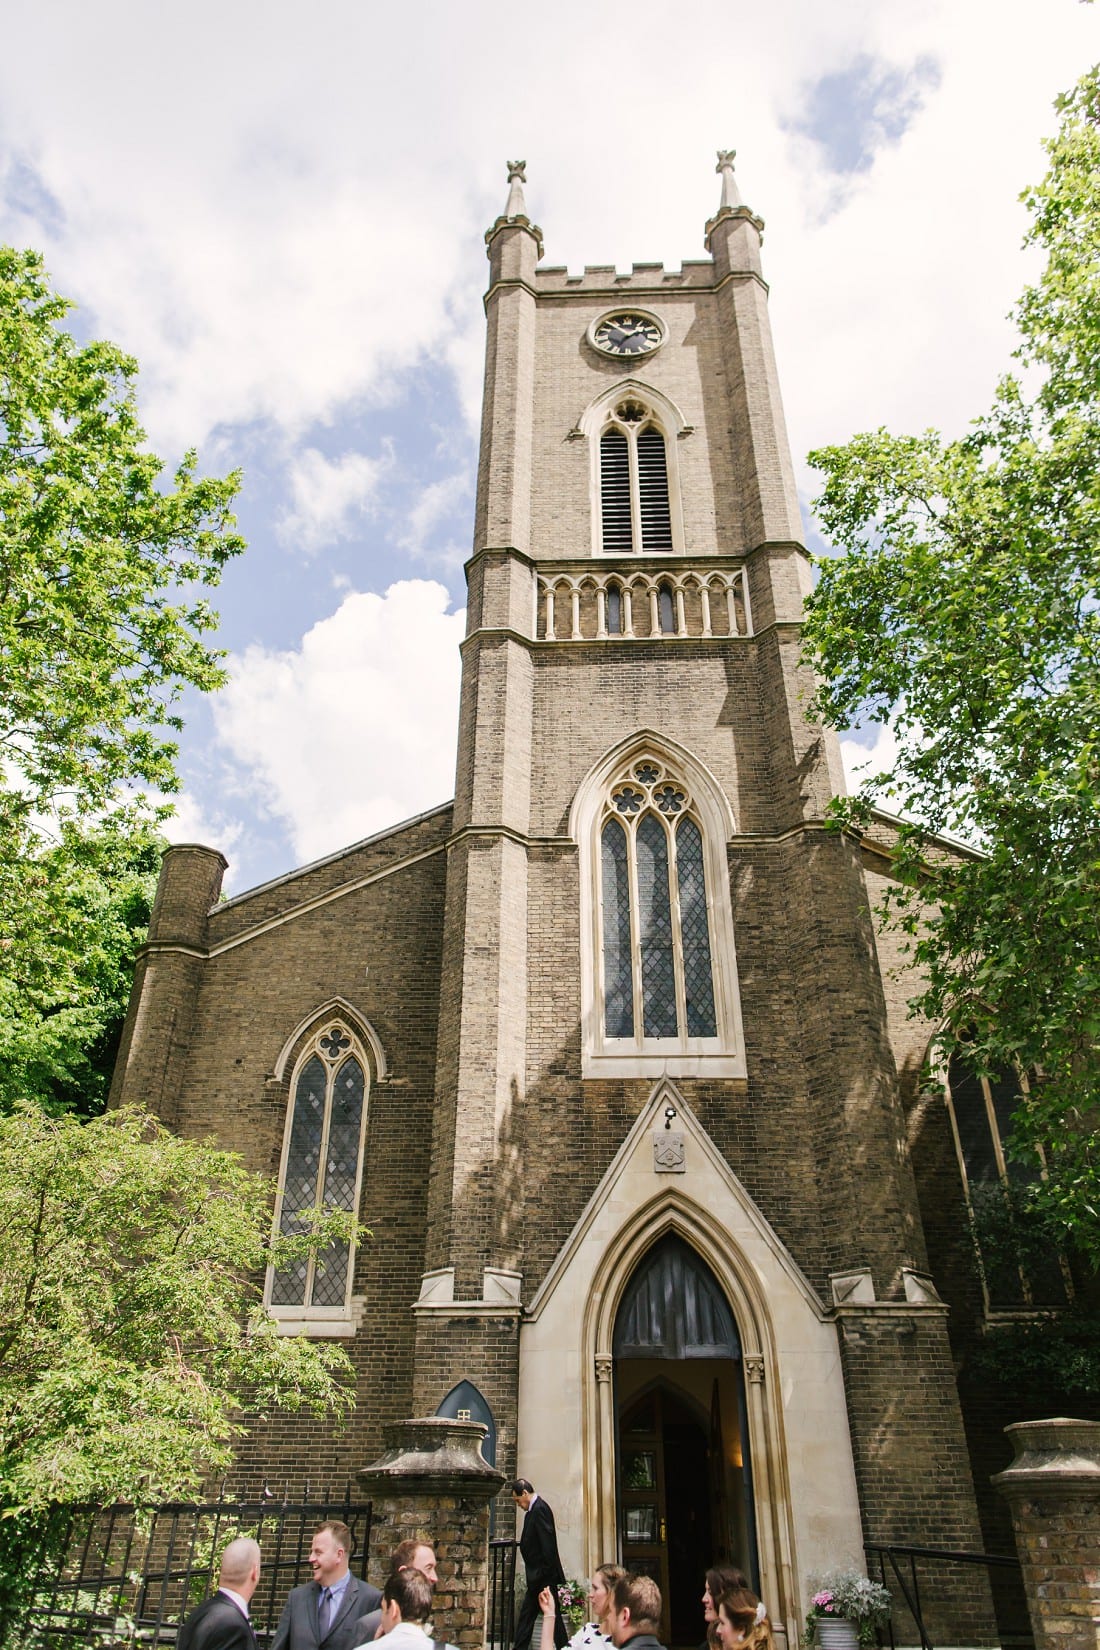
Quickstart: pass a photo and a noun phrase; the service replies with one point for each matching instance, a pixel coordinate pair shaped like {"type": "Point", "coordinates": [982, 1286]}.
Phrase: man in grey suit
{"type": "Point", "coordinates": [221, 1622]}
{"type": "Point", "coordinates": [323, 1613]}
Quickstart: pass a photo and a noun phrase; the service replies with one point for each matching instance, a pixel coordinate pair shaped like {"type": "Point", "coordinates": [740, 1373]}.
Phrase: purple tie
{"type": "Point", "coordinates": [325, 1613]}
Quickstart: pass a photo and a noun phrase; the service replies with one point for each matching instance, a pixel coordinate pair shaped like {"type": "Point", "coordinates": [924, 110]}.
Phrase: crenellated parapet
{"type": "Point", "coordinates": [693, 275]}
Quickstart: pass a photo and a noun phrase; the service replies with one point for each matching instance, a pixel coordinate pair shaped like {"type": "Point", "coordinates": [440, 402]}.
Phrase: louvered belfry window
{"type": "Point", "coordinates": [322, 1166]}
{"type": "Point", "coordinates": [658, 980]}
{"type": "Point", "coordinates": [636, 514]}
{"type": "Point", "coordinates": [653, 491]}
{"type": "Point", "coordinates": [618, 533]}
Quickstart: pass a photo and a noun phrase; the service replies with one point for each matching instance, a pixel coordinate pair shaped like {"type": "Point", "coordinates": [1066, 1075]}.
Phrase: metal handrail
{"type": "Point", "coordinates": [502, 1593]}
{"type": "Point", "coordinates": [910, 1590]}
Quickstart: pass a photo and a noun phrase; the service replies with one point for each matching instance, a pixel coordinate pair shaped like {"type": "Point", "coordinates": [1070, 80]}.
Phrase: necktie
{"type": "Point", "coordinates": [325, 1614]}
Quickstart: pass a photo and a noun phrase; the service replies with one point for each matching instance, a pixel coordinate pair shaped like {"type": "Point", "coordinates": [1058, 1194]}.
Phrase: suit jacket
{"type": "Point", "coordinates": [217, 1624]}
{"type": "Point", "coordinates": [298, 1629]}
{"type": "Point", "coordinates": [538, 1543]}
{"type": "Point", "coordinates": [367, 1626]}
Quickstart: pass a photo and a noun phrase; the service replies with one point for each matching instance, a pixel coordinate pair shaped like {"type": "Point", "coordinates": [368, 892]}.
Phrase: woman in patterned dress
{"type": "Point", "coordinates": [594, 1634]}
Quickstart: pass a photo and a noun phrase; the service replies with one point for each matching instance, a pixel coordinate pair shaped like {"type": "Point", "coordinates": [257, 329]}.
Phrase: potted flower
{"type": "Point", "coordinates": [572, 1598]}
{"type": "Point", "coordinates": [845, 1611]}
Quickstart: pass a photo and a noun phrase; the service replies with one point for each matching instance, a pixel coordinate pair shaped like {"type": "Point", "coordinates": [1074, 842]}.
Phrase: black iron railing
{"type": "Point", "coordinates": [900, 1569]}
{"type": "Point", "coordinates": [124, 1574]}
{"type": "Point", "coordinates": [501, 1620]}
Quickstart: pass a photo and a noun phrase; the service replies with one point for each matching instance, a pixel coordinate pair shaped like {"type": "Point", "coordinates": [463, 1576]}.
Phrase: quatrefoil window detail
{"type": "Point", "coordinates": [646, 774]}
{"type": "Point", "coordinates": [334, 1042]}
{"type": "Point", "coordinates": [668, 799]}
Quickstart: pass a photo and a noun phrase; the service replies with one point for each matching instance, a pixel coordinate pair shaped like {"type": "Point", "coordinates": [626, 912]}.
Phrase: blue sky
{"type": "Point", "coordinates": [280, 211]}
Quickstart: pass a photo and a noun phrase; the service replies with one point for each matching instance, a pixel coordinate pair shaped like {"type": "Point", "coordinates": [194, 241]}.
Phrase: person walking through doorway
{"type": "Point", "coordinates": [538, 1543]}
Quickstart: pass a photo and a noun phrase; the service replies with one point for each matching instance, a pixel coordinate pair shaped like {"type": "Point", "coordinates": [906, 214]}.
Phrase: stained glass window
{"type": "Point", "coordinates": [658, 984]}
{"type": "Point", "coordinates": [655, 930]}
{"type": "Point", "coordinates": [321, 1167]}
{"type": "Point", "coordinates": [619, 1012]}
{"type": "Point", "coordinates": [695, 931]}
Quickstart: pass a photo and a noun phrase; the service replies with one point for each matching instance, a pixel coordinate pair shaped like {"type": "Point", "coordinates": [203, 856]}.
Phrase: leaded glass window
{"type": "Point", "coordinates": [658, 983]}
{"type": "Point", "coordinates": [322, 1166]}
{"type": "Point", "coordinates": [981, 1109]}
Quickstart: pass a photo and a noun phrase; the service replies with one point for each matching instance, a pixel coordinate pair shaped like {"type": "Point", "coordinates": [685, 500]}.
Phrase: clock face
{"type": "Point", "coordinates": [627, 333]}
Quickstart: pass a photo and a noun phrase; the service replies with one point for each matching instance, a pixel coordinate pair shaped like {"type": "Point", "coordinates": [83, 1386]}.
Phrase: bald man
{"type": "Point", "coordinates": [221, 1622]}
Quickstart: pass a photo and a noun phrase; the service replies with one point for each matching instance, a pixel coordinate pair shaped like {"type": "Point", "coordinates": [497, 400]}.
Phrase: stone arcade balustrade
{"type": "Point", "coordinates": [580, 601]}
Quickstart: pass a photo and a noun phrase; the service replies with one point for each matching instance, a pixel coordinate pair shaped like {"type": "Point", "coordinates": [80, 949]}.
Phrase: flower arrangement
{"type": "Point", "coordinates": [573, 1599]}
{"type": "Point", "coordinates": [846, 1595]}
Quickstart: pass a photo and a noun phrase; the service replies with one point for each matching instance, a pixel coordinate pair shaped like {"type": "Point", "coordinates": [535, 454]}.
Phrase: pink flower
{"type": "Point", "coordinates": [823, 1600]}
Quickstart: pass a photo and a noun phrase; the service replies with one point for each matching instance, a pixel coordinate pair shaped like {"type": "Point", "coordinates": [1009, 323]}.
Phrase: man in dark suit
{"type": "Point", "coordinates": [538, 1544]}
{"type": "Point", "coordinates": [411, 1554]}
{"type": "Point", "coordinates": [323, 1614]}
{"type": "Point", "coordinates": [221, 1622]}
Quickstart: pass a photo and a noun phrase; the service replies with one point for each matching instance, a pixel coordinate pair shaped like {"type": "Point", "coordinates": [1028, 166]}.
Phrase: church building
{"type": "Point", "coordinates": [609, 1053]}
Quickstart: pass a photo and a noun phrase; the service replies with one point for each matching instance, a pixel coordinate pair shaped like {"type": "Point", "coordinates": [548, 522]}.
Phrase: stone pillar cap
{"type": "Point", "coordinates": [430, 1453]}
{"type": "Point", "coordinates": [1051, 1451]}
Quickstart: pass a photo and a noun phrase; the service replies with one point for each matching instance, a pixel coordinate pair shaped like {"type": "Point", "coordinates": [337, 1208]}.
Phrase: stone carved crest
{"type": "Point", "coordinates": [668, 1152]}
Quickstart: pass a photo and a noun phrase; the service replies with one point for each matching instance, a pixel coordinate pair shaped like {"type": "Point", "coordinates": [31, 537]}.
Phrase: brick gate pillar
{"type": "Point", "coordinates": [1053, 1490]}
{"type": "Point", "coordinates": [432, 1483]}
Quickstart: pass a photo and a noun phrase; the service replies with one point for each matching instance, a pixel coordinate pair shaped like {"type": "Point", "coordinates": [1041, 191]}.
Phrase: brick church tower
{"type": "Point", "coordinates": [606, 1053]}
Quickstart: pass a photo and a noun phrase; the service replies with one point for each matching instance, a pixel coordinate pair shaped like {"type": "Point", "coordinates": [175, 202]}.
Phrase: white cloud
{"type": "Point", "coordinates": [330, 497]}
{"type": "Point", "coordinates": [308, 249]}
{"type": "Point", "coordinates": [434, 506]}
{"type": "Point", "coordinates": [355, 729]}
{"type": "Point", "coordinates": [316, 234]}
{"type": "Point", "coordinates": [872, 750]}
{"type": "Point", "coordinates": [194, 821]}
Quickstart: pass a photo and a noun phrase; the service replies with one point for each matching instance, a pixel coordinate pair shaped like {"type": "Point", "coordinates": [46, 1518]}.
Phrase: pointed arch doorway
{"type": "Point", "coordinates": [684, 1493]}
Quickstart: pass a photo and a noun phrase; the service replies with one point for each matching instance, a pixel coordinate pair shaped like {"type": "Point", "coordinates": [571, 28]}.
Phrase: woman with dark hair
{"type": "Point", "coordinates": [723, 1578]}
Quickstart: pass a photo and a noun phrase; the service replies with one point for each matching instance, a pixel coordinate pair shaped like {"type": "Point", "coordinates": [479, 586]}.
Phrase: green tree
{"type": "Point", "coordinates": [101, 565]}
{"type": "Point", "coordinates": [75, 914]}
{"type": "Point", "coordinates": [133, 1339]}
{"type": "Point", "coordinates": [103, 624]}
{"type": "Point", "coordinates": [965, 610]}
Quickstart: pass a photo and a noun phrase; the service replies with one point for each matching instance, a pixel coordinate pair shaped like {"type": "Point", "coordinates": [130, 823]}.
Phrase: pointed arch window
{"type": "Point", "coordinates": [981, 1109]}
{"type": "Point", "coordinates": [322, 1167]}
{"type": "Point", "coordinates": [674, 1308]}
{"type": "Point", "coordinates": [657, 957]}
{"type": "Point", "coordinates": [658, 964]}
{"type": "Point", "coordinates": [636, 514]}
